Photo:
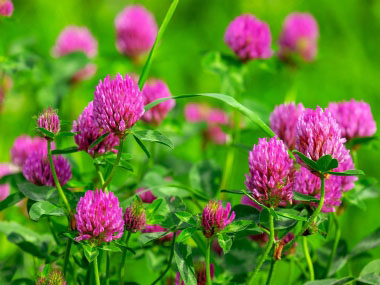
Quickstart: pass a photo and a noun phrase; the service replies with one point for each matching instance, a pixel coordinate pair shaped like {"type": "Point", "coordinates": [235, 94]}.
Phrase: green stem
{"type": "Point", "coordinates": [67, 255]}
{"type": "Point", "coordinates": [96, 271]}
{"type": "Point", "coordinates": [335, 246]}
{"type": "Point", "coordinates": [291, 269]}
{"type": "Point", "coordinates": [308, 259]}
{"type": "Point", "coordinates": [115, 165]}
{"type": "Point", "coordinates": [170, 260]}
{"type": "Point", "coordinates": [266, 251]}
{"type": "Point", "coordinates": [52, 231]}
{"type": "Point", "coordinates": [107, 267]}
{"type": "Point", "coordinates": [122, 265]}
{"type": "Point", "coordinates": [208, 261]}
{"type": "Point", "coordinates": [271, 270]}
{"type": "Point", "coordinates": [56, 181]}
{"type": "Point", "coordinates": [228, 167]}
{"type": "Point", "coordinates": [315, 213]}
{"type": "Point", "coordinates": [100, 175]}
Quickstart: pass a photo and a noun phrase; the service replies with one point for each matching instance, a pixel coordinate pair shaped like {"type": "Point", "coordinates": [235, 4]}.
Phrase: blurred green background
{"type": "Point", "coordinates": [347, 66]}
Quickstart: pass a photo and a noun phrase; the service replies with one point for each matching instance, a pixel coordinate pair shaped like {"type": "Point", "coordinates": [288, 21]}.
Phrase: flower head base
{"type": "Point", "coordinates": [146, 195]}
{"type": "Point", "coordinates": [354, 118]}
{"type": "Point", "coordinates": [215, 218]}
{"type": "Point", "coordinates": [89, 132]}
{"type": "Point", "coordinates": [283, 122]}
{"type": "Point", "coordinates": [99, 217]}
{"type": "Point", "coordinates": [200, 273]}
{"type": "Point", "coordinates": [6, 8]}
{"type": "Point", "coordinates": [249, 38]}
{"type": "Point", "coordinates": [270, 172]}
{"type": "Point", "coordinates": [23, 146]}
{"type": "Point", "coordinates": [118, 104]}
{"type": "Point", "coordinates": [74, 39]}
{"type": "Point", "coordinates": [37, 169]}
{"type": "Point", "coordinates": [318, 134]}
{"type": "Point", "coordinates": [153, 90]}
{"type": "Point", "coordinates": [299, 36]}
{"type": "Point", "coordinates": [49, 120]}
{"type": "Point", "coordinates": [136, 31]}
{"type": "Point", "coordinates": [135, 217]}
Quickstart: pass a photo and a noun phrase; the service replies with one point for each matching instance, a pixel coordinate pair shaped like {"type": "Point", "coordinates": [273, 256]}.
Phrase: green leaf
{"type": "Point", "coordinates": [352, 172]}
{"type": "Point", "coordinates": [326, 163]}
{"type": "Point", "coordinates": [164, 24]}
{"type": "Point", "coordinates": [237, 226]}
{"type": "Point", "coordinates": [146, 238]}
{"type": "Point", "coordinates": [11, 200]}
{"type": "Point", "coordinates": [291, 214]}
{"type": "Point", "coordinates": [186, 234]}
{"type": "Point", "coordinates": [369, 242]}
{"type": "Point", "coordinates": [226, 99]}
{"type": "Point", "coordinates": [90, 252]}
{"type": "Point", "coordinates": [153, 136]}
{"type": "Point", "coordinates": [239, 192]}
{"type": "Point", "coordinates": [46, 133]}
{"type": "Point", "coordinates": [110, 247]}
{"type": "Point", "coordinates": [184, 261]}
{"type": "Point", "coordinates": [70, 149]}
{"type": "Point", "coordinates": [98, 140]}
{"type": "Point", "coordinates": [331, 281]}
{"type": "Point", "coordinates": [370, 274]}
{"type": "Point", "coordinates": [37, 193]}
{"type": "Point", "coordinates": [302, 197]}
{"type": "Point", "coordinates": [142, 146]}
{"type": "Point", "coordinates": [44, 208]}
{"type": "Point", "coordinates": [309, 162]}
{"type": "Point", "coordinates": [225, 242]}
{"type": "Point", "coordinates": [245, 212]}
{"type": "Point", "coordinates": [186, 217]}
{"type": "Point", "coordinates": [66, 134]}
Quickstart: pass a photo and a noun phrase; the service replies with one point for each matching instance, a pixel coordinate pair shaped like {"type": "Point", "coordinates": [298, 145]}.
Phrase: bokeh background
{"type": "Point", "coordinates": [347, 66]}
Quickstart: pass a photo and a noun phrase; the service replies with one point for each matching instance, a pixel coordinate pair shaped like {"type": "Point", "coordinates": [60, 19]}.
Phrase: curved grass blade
{"type": "Point", "coordinates": [148, 63]}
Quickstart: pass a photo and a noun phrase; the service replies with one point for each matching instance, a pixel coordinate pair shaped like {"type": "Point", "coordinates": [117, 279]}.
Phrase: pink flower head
{"type": "Point", "coordinates": [153, 90]}
{"type": "Point", "coordinates": [23, 146]}
{"type": "Point", "coordinates": [318, 134]}
{"type": "Point", "coordinates": [118, 104]}
{"type": "Point", "coordinates": [135, 217]}
{"type": "Point", "coordinates": [99, 217]}
{"type": "Point", "coordinates": [283, 121]}
{"type": "Point", "coordinates": [270, 172]}
{"type": "Point", "coordinates": [354, 118]}
{"type": "Point", "coordinates": [37, 170]}
{"type": "Point", "coordinates": [215, 218]}
{"type": "Point", "coordinates": [55, 277]}
{"type": "Point", "coordinates": [200, 273]}
{"type": "Point", "coordinates": [85, 73]}
{"type": "Point", "coordinates": [6, 8]}
{"type": "Point", "coordinates": [4, 188]}
{"type": "Point", "coordinates": [195, 112]}
{"type": "Point", "coordinates": [309, 184]}
{"type": "Point", "coordinates": [158, 229]}
{"type": "Point", "coordinates": [217, 116]}
{"type": "Point", "coordinates": [215, 134]}
{"type": "Point", "coordinates": [136, 31]}
{"type": "Point", "coordinates": [146, 195]}
{"type": "Point", "coordinates": [299, 36]}
{"type": "Point", "coordinates": [49, 120]}
{"type": "Point", "coordinates": [74, 39]}
{"type": "Point", "coordinates": [89, 132]}
{"type": "Point", "coordinates": [249, 38]}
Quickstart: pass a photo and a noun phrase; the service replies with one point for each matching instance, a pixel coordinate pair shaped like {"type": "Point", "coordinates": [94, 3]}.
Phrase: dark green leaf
{"type": "Point", "coordinates": [239, 192]}
{"type": "Point", "coordinates": [98, 140]}
{"type": "Point", "coordinates": [184, 262]}
{"type": "Point", "coordinates": [110, 247]}
{"type": "Point", "coordinates": [331, 281]}
{"type": "Point", "coordinates": [146, 238]}
{"type": "Point", "coordinates": [36, 193]}
{"type": "Point", "coordinates": [46, 133]}
{"type": "Point", "coordinates": [370, 274]}
{"type": "Point", "coordinates": [237, 226]}
{"type": "Point", "coordinates": [186, 217]}
{"type": "Point", "coordinates": [66, 134]}
{"type": "Point", "coordinates": [225, 242]}
{"type": "Point", "coordinates": [311, 163]}
{"type": "Point", "coordinates": [302, 197]}
{"type": "Point", "coordinates": [90, 252]}
{"type": "Point", "coordinates": [142, 146]}
{"type": "Point", "coordinates": [206, 177]}
{"type": "Point", "coordinates": [11, 200]}
{"type": "Point", "coordinates": [245, 212]}
{"type": "Point", "coordinates": [186, 233]}
{"type": "Point", "coordinates": [369, 242]}
{"type": "Point", "coordinates": [70, 149]}
{"type": "Point", "coordinates": [352, 172]}
{"type": "Point", "coordinates": [44, 208]}
{"type": "Point", "coordinates": [324, 162]}
{"type": "Point", "coordinates": [153, 136]}
{"type": "Point", "coordinates": [291, 214]}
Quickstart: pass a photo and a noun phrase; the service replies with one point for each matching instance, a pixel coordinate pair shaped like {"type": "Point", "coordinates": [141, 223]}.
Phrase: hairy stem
{"type": "Point", "coordinates": [308, 259]}
{"type": "Point", "coordinates": [122, 265]}
{"type": "Point", "coordinates": [56, 181]}
{"type": "Point", "coordinates": [170, 260]}
{"type": "Point", "coordinates": [208, 258]}
{"type": "Point", "coordinates": [335, 246]}
{"type": "Point", "coordinates": [96, 271]}
{"type": "Point", "coordinates": [115, 165]}
{"type": "Point", "coordinates": [266, 252]}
